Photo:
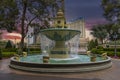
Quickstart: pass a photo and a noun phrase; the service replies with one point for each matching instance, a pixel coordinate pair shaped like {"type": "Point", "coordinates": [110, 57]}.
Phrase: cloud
{"type": "Point", "coordinates": [91, 22]}
{"type": "Point", "coordinates": [85, 8]}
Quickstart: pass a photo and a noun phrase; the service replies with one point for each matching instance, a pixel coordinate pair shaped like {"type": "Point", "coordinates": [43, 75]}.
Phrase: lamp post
{"type": "Point", "coordinates": [115, 36]}
{"type": "Point", "coordinates": [28, 36]}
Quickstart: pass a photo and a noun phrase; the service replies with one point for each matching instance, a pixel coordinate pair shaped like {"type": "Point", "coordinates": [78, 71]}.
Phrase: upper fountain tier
{"type": "Point", "coordinates": [59, 34]}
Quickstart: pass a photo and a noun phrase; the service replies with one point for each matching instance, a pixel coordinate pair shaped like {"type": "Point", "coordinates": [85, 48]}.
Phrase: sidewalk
{"type": "Point", "coordinates": [112, 73]}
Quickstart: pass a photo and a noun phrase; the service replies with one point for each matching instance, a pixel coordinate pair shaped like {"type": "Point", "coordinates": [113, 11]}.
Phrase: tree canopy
{"type": "Point", "coordinates": [111, 10]}
{"type": "Point", "coordinates": [26, 13]}
{"type": "Point", "coordinates": [99, 32]}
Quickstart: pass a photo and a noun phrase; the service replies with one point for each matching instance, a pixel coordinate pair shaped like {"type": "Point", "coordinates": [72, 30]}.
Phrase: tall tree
{"type": "Point", "coordinates": [8, 15]}
{"type": "Point", "coordinates": [26, 13]}
{"type": "Point", "coordinates": [99, 32]}
{"type": "Point", "coordinates": [111, 10]}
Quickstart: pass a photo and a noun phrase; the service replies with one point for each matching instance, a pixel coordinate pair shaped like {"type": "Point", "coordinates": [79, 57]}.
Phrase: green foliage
{"type": "Point", "coordinates": [111, 9]}
{"type": "Point", "coordinates": [96, 42]}
{"type": "Point", "coordinates": [97, 51]}
{"type": "Point", "coordinates": [99, 32]}
{"type": "Point", "coordinates": [0, 54]}
{"type": "Point", "coordinates": [8, 54]}
{"type": "Point", "coordinates": [8, 14]}
{"type": "Point", "coordinates": [109, 51]}
{"type": "Point", "coordinates": [100, 47]}
{"type": "Point", "coordinates": [31, 11]}
{"type": "Point", "coordinates": [9, 50]}
{"type": "Point", "coordinates": [2, 44]}
{"type": "Point", "coordinates": [35, 49]}
{"type": "Point", "coordinates": [91, 45]}
{"type": "Point", "coordinates": [9, 44]}
{"type": "Point", "coordinates": [118, 54]}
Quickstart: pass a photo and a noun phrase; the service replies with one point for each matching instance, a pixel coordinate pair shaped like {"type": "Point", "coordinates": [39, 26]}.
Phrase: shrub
{"type": "Point", "coordinates": [110, 53]}
{"type": "Point", "coordinates": [97, 51]}
{"type": "Point", "coordinates": [0, 54]}
{"type": "Point", "coordinates": [118, 54]}
{"type": "Point", "coordinates": [34, 49]}
{"type": "Point", "coordinates": [91, 45]}
{"type": "Point", "coordinates": [100, 47]}
{"type": "Point", "coordinates": [10, 50]}
{"type": "Point", "coordinates": [9, 44]}
{"type": "Point", "coordinates": [108, 49]}
{"type": "Point", "coordinates": [8, 54]}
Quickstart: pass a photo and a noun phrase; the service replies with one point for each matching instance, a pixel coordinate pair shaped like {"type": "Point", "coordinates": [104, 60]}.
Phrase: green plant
{"type": "Point", "coordinates": [9, 44]}
{"type": "Point", "coordinates": [110, 53]}
{"type": "Point", "coordinates": [8, 54]}
{"type": "Point", "coordinates": [9, 50]}
{"type": "Point", "coordinates": [118, 54]}
{"type": "Point", "coordinates": [0, 54]}
{"type": "Point", "coordinates": [96, 42]}
{"type": "Point", "coordinates": [96, 51]}
{"type": "Point", "coordinates": [100, 47]}
{"type": "Point", "coordinates": [91, 45]}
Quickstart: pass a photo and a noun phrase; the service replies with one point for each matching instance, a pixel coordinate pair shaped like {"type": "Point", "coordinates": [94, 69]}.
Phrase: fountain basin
{"type": "Point", "coordinates": [60, 66]}
{"type": "Point", "coordinates": [60, 36]}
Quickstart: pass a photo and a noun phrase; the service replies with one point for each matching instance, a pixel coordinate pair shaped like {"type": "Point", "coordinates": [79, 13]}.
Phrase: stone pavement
{"type": "Point", "coordinates": [7, 73]}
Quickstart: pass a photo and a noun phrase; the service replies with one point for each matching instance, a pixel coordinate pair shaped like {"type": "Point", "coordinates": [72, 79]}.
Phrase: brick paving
{"type": "Point", "coordinates": [7, 73]}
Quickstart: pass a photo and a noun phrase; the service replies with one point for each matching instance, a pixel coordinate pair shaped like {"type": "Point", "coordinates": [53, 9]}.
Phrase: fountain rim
{"type": "Point", "coordinates": [47, 67]}
{"type": "Point", "coordinates": [58, 29]}
{"type": "Point", "coordinates": [102, 61]}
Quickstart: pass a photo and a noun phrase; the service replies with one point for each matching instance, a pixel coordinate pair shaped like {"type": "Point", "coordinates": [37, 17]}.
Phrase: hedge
{"type": "Point", "coordinates": [110, 52]}
{"type": "Point", "coordinates": [8, 54]}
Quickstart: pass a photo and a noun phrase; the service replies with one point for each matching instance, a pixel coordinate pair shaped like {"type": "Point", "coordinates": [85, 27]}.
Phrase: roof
{"type": "Point", "coordinates": [76, 19]}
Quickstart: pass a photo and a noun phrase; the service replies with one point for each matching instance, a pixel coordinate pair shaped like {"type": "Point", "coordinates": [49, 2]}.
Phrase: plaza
{"type": "Point", "coordinates": [56, 41]}
{"type": "Point", "coordinates": [7, 73]}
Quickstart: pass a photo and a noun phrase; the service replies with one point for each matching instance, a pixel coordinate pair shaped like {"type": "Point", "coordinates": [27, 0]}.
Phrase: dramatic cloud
{"type": "Point", "coordinates": [89, 9]}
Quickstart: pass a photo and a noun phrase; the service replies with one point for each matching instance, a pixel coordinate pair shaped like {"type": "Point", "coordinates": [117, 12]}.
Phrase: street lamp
{"type": "Point", "coordinates": [115, 36]}
{"type": "Point", "coordinates": [28, 36]}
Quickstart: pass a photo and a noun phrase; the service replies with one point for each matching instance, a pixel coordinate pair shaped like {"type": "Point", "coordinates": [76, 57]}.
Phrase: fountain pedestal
{"type": "Point", "coordinates": [59, 36]}
{"type": "Point", "coordinates": [60, 50]}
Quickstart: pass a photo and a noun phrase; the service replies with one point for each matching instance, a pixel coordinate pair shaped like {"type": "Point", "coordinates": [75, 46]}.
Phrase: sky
{"type": "Point", "coordinates": [90, 10]}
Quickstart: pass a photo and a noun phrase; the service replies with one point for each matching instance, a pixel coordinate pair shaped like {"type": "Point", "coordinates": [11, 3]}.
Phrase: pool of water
{"type": "Point", "coordinates": [76, 60]}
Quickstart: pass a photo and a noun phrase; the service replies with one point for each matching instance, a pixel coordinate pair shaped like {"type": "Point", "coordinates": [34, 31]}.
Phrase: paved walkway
{"type": "Point", "coordinates": [112, 73]}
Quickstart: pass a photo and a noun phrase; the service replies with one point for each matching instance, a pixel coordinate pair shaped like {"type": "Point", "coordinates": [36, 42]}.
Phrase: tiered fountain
{"type": "Point", "coordinates": [60, 52]}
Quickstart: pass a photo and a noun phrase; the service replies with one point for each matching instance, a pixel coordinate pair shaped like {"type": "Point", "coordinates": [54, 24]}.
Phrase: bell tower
{"type": "Point", "coordinates": [59, 20]}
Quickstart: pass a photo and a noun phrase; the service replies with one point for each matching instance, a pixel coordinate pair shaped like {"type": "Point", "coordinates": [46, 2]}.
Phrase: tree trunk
{"type": "Point", "coordinates": [22, 24]}
{"type": "Point", "coordinates": [101, 40]}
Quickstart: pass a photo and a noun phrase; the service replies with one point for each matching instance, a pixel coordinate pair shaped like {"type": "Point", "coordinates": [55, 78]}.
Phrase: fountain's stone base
{"type": "Point", "coordinates": [47, 67]}
{"type": "Point", "coordinates": [60, 50]}
{"type": "Point", "coordinates": [59, 53]}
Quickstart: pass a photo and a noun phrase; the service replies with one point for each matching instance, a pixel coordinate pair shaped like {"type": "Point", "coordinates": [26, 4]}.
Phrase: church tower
{"type": "Point", "coordinates": [59, 20]}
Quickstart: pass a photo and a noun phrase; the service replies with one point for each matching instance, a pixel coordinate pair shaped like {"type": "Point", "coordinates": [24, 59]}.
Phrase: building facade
{"type": "Point", "coordinates": [79, 24]}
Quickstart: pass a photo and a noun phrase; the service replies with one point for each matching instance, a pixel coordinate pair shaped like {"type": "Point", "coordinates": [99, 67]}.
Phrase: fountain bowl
{"type": "Point", "coordinates": [60, 67]}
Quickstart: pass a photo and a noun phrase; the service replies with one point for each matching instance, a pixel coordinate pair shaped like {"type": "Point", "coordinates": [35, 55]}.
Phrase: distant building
{"type": "Point", "coordinates": [79, 24]}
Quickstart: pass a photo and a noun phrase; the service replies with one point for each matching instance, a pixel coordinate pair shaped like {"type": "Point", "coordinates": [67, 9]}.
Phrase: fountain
{"type": "Point", "coordinates": [60, 52]}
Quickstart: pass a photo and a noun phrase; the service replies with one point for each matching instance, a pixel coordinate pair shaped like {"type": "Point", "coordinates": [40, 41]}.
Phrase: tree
{"type": "Point", "coordinates": [99, 32]}
{"type": "Point", "coordinates": [111, 29]}
{"type": "Point", "coordinates": [91, 45]}
{"type": "Point", "coordinates": [8, 15]}
{"type": "Point", "coordinates": [9, 44]}
{"type": "Point", "coordinates": [34, 13]}
{"type": "Point", "coordinates": [96, 42]}
{"type": "Point", "coordinates": [111, 10]}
